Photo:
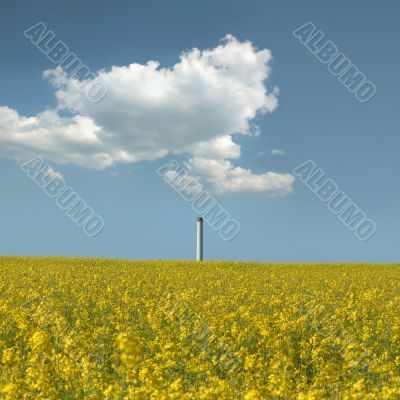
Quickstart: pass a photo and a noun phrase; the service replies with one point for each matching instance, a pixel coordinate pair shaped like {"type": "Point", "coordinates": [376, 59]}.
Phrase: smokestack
{"type": "Point", "coordinates": [199, 249]}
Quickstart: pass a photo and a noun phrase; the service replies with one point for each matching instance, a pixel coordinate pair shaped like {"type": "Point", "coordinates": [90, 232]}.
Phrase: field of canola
{"type": "Point", "coordinates": [111, 329]}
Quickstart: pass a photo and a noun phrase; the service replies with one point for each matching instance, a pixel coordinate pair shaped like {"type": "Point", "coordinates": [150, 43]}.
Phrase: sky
{"type": "Point", "coordinates": [230, 91]}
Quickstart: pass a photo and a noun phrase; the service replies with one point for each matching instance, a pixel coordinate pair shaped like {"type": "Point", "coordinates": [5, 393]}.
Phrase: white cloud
{"type": "Point", "coordinates": [211, 170]}
{"type": "Point", "coordinates": [277, 152]}
{"type": "Point", "coordinates": [223, 147]}
{"type": "Point", "coordinates": [240, 179]}
{"type": "Point", "coordinates": [226, 178]}
{"type": "Point", "coordinates": [194, 107]}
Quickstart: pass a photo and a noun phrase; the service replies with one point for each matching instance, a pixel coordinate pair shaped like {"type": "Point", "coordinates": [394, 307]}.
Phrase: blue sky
{"type": "Point", "coordinates": [315, 118]}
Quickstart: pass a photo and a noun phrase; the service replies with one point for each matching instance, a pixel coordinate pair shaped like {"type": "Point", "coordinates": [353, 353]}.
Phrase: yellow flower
{"type": "Point", "coordinates": [169, 330]}
{"type": "Point", "coordinates": [10, 391]}
{"type": "Point", "coordinates": [252, 394]}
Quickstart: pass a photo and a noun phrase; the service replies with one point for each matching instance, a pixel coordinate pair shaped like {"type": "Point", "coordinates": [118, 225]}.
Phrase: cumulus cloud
{"type": "Point", "coordinates": [277, 152]}
{"type": "Point", "coordinates": [226, 178]}
{"type": "Point", "coordinates": [223, 147]}
{"type": "Point", "coordinates": [194, 107]}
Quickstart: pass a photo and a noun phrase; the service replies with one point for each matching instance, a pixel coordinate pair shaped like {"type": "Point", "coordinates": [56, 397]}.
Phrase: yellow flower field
{"type": "Point", "coordinates": [110, 329]}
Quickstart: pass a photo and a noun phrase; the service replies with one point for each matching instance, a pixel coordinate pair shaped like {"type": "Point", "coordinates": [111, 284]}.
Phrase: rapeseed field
{"type": "Point", "coordinates": [113, 329]}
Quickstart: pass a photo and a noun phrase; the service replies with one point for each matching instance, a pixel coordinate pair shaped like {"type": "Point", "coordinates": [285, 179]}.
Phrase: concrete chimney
{"type": "Point", "coordinates": [199, 229]}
